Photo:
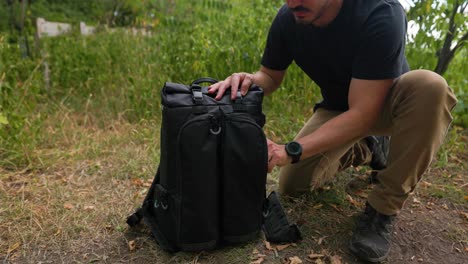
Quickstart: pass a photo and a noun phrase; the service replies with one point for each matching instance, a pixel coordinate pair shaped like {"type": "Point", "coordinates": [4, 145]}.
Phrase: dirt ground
{"type": "Point", "coordinates": [429, 230]}
{"type": "Point", "coordinates": [75, 212]}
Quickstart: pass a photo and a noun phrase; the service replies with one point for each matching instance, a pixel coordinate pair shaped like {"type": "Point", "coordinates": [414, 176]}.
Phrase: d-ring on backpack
{"type": "Point", "coordinates": [210, 184]}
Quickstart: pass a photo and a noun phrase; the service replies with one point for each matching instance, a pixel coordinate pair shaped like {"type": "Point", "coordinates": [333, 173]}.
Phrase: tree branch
{"type": "Point", "coordinates": [460, 42]}
{"type": "Point", "coordinates": [463, 7]}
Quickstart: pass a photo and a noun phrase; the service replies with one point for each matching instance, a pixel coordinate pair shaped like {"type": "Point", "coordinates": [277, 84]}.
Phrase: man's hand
{"type": "Point", "coordinates": [277, 155]}
{"type": "Point", "coordinates": [238, 80]}
{"type": "Point", "coordinates": [266, 78]}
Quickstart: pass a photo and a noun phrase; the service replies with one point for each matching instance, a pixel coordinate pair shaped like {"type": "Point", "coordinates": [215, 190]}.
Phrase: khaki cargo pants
{"type": "Point", "coordinates": [416, 115]}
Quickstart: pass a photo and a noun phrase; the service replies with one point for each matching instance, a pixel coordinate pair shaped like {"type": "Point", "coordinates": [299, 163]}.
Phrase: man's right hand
{"type": "Point", "coordinates": [236, 81]}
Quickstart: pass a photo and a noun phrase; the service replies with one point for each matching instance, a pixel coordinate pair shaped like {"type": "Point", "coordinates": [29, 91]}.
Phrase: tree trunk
{"type": "Point", "coordinates": [443, 62]}
{"type": "Point", "coordinates": [10, 4]}
{"type": "Point", "coordinates": [446, 53]}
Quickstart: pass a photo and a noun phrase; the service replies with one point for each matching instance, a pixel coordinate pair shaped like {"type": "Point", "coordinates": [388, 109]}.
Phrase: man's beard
{"type": "Point", "coordinates": [303, 21]}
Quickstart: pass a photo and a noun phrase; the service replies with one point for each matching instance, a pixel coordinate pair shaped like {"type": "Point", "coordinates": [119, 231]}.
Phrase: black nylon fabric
{"type": "Point", "coordinates": [210, 188]}
{"type": "Point", "coordinates": [198, 186]}
{"type": "Point", "coordinates": [242, 214]}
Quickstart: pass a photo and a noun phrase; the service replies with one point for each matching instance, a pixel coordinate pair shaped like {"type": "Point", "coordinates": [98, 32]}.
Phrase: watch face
{"type": "Point", "coordinates": [294, 148]}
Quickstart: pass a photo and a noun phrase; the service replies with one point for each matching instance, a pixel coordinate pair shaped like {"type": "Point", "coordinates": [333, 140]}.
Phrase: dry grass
{"type": "Point", "coordinates": [88, 178]}
{"type": "Point", "coordinates": [72, 206]}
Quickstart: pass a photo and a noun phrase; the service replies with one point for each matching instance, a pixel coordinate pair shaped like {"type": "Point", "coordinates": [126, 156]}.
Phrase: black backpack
{"type": "Point", "coordinates": [209, 189]}
{"type": "Point", "coordinates": [210, 185]}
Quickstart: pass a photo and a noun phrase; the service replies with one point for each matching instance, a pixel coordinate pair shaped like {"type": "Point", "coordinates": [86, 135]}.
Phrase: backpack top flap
{"type": "Point", "coordinates": [180, 95]}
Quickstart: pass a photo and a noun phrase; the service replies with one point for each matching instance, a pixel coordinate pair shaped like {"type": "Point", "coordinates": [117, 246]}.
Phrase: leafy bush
{"type": "Point", "coordinates": [117, 75]}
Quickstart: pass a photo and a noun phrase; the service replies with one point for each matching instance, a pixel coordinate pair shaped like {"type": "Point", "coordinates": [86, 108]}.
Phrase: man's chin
{"type": "Point", "coordinates": [302, 20]}
{"type": "Point", "coordinates": [308, 21]}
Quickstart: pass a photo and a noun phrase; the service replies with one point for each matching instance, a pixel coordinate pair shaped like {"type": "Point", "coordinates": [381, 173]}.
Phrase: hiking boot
{"type": "Point", "coordinates": [371, 237]}
{"type": "Point", "coordinates": [379, 146]}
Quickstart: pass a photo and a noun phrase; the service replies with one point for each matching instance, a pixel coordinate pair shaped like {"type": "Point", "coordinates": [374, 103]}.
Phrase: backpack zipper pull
{"type": "Point", "coordinates": [215, 126]}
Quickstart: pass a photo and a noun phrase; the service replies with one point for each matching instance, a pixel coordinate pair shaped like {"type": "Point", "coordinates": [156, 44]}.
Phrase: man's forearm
{"type": "Point", "coordinates": [269, 80]}
{"type": "Point", "coordinates": [366, 100]}
{"type": "Point", "coordinates": [337, 131]}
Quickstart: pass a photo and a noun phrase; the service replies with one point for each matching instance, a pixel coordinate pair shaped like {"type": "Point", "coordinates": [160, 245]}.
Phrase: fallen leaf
{"type": "Point", "coordinates": [318, 206]}
{"type": "Point", "coordinates": [88, 207]}
{"type": "Point", "coordinates": [420, 259]}
{"type": "Point", "coordinates": [361, 194]}
{"type": "Point", "coordinates": [295, 260]}
{"type": "Point", "coordinates": [131, 245]}
{"type": "Point", "coordinates": [465, 197]}
{"type": "Point", "coordinates": [429, 205]}
{"type": "Point", "coordinates": [335, 259]}
{"type": "Point", "coordinates": [319, 242]}
{"type": "Point", "coordinates": [465, 215]}
{"type": "Point", "coordinates": [363, 177]}
{"type": "Point", "coordinates": [268, 245]}
{"type": "Point", "coordinates": [255, 251]}
{"type": "Point", "coordinates": [416, 200]}
{"type": "Point", "coordinates": [256, 256]}
{"type": "Point", "coordinates": [281, 247]}
{"type": "Point", "coordinates": [68, 206]}
{"type": "Point", "coordinates": [425, 184]}
{"type": "Point", "coordinates": [137, 182]}
{"type": "Point", "coordinates": [336, 208]}
{"type": "Point", "coordinates": [319, 261]}
{"type": "Point", "coordinates": [13, 247]}
{"type": "Point", "coordinates": [314, 256]}
{"type": "Point", "coordinates": [445, 206]}
{"type": "Point", "coordinates": [353, 201]}
{"type": "Point", "coordinates": [258, 261]}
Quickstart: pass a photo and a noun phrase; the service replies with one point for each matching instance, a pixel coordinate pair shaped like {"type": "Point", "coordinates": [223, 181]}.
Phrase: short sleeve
{"type": "Point", "coordinates": [381, 50]}
{"type": "Point", "coordinates": [277, 54]}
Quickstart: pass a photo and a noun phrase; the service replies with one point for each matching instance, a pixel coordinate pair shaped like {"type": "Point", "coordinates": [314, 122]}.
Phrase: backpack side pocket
{"type": "Point", "coordinates": [245, 166]}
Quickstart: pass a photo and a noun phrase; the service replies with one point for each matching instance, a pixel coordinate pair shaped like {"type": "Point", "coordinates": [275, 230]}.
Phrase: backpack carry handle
{"type": "Point", "coordinates": [204, 80]}
{"type": "Point", "coordinates": [198, 94]}
{"type": "Point", "coordinates": [196, 88]}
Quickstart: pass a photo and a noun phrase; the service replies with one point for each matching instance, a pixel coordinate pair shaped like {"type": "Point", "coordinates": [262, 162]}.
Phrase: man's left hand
{"type": "Point", "coordinates": [277, 155]}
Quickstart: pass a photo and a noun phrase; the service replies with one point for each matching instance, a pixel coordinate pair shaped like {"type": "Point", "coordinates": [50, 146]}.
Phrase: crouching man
{"type": "Point", "coordinates": [355, 52]}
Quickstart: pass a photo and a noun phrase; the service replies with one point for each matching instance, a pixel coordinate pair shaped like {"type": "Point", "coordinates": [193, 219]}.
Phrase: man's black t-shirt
{"type": "Point", "coordinates": [365, 41]}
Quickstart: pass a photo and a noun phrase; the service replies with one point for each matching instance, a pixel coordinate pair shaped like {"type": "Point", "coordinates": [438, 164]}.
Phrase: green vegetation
{"type": "Point", "coordinates": [117, 75]}
{"type": "Point", "coordinates": [77, 154]}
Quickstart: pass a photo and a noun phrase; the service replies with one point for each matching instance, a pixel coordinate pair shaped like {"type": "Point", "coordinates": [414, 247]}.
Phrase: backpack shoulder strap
{"type": "Point", "coordinates": [135, 218]}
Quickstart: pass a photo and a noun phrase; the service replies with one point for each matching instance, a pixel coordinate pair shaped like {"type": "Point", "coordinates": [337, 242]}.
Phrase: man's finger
{"type": "Point", "coordinates": [222, 88]}
{"type": "Point", "coordinates": [270, 167]}
{"type": "Point", "coordinates": [236, 79]}
{"type": "Point", "coordinates": [246, 83]}
{"type": "Point", "coordinates": [214, 87]}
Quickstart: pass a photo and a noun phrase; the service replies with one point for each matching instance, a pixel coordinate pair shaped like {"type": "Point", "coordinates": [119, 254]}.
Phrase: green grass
{"type": "Point", "coordinates": [91, 139]}
{"type": "Point", "coordinates": [117, 76]}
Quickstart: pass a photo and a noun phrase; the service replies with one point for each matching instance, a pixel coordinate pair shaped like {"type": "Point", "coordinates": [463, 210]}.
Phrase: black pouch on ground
{"type": "Point", "coordinates": [210, 185]}
{"type": "Point", "coordinates": [276, 226]}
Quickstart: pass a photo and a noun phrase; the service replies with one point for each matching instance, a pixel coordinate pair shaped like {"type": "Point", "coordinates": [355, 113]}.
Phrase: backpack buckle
{"type": "Point", "coordinates": [197, 94]}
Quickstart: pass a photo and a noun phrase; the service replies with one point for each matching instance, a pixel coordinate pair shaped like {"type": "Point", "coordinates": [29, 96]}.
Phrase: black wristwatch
{"type": "Point", "coordinates": [294, 151]}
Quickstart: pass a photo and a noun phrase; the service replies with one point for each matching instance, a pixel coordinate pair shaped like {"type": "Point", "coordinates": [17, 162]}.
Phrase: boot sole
{"type": "Point", "coordinates": [358, 254]}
